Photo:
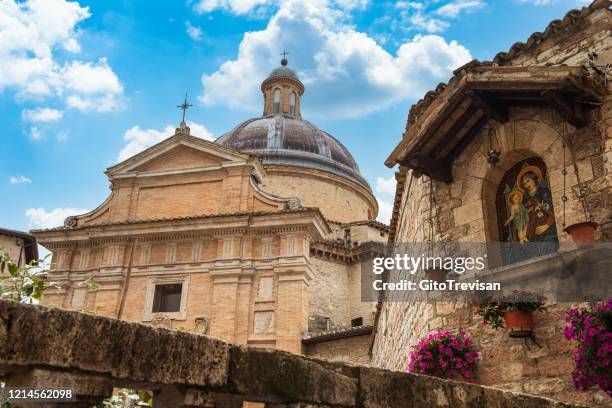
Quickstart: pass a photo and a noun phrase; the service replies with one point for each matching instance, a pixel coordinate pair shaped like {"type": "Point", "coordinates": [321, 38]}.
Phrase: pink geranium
{"type": "Point", "coordinates": [592, 329]}
{"type": "Point", "coordinates": [445, 355]}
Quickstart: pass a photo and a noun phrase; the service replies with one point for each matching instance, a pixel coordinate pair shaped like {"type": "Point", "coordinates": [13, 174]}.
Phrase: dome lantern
{"type": "Point", "coordinates": [282, 91]}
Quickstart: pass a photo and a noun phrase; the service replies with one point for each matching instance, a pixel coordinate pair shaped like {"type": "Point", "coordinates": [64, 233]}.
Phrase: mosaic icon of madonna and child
{"type": "Point", "coordinates": [525, 206]}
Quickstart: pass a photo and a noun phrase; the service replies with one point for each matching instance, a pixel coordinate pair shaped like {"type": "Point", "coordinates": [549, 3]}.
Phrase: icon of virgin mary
{"type": "Point", "coordinates": [537, 200]}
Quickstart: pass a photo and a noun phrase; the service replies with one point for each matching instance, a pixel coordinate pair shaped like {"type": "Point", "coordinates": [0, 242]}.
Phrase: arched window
{"type": "Point", "coordinates": [525, 213]}
{"type": "Point", "coordinates": [292, 104]}
{"type": "Point", "coordinates": [276, 101]}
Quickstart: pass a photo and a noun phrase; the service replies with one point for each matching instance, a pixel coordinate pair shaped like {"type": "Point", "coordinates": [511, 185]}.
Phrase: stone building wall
{"type": "Point", "coordinates": [330, 293]}
{"type": "Point", "coordinates": [336, 294]}
{"type": "Point", "coordinates": [353, 350]}
{"type": "Point", "coordinates": [466, 209]}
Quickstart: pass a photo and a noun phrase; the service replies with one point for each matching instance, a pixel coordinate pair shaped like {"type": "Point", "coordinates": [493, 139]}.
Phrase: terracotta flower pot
{"type": "Point", "coordinates": [582, 232]}
{"type": "Point", "coordinates": [517, 320]}
{"type": "Point", "coordinates": [436, 275]}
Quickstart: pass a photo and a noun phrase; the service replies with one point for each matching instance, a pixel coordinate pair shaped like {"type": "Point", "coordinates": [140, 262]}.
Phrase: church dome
{"type": "Point", "coordinates": [285, 140]}
{"type": "Point", "coordinates": [281, 137]}
{"type": "Point", "coordinates": [283, 71]}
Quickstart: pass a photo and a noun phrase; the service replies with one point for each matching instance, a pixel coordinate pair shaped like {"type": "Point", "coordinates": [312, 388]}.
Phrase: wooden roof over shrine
{"type": "Point", "coordinates": [441, 127]}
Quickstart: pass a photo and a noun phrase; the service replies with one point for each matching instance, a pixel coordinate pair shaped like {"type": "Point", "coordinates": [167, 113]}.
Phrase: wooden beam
{"type": "Point", "coordinates": [467, 138]}
{"type": "Point", "coordinates": [571, 112]}
{"type": "Point", "coordinates": [490, 106]}
{"type": "Point", "coordinates": [425, 164]}
{"type": "Point", "coordinates": [453, 131]}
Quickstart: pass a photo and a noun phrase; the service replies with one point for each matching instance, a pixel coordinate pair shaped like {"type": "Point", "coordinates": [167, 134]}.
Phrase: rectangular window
{"type": "Point", "coordinates": [167, 298]}
{"type": "Point", "coordinates": [357, 322]}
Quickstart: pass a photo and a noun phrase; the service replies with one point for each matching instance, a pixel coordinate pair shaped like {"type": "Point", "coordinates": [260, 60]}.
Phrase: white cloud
{"type": "Point", "coordinates": [91, 86]}
{"type": "Point", "coordinates": [538, 2]}
{"type": "Point", "coordinates": [409, 5]}
{"type": "Point", "coordinates": [139, 139]}
{"type": "Point", "coordinates": [30, 34]}
{"type": "Point", "coordinates": [103, 103]}
{"type": "Point", "coordinates": [41, 115]}
{"type": "Point", "coordinates": [195, 32]}
{"type": "Point", "coordinates": [384, 211]}
{"type": "Point", "coordinates": [233, 6]}
{"type": "Point", "coordinates": [547, 2]}
{"type": "Point", "coordinates": [91, 79]}
{"type": "Point", "coordinates": [424, 22]}
{"type": "Point", "coordinates": [453, 9]}
{"type": "Point", "coordinates": [427, 16]}
{"type": "Point", "coordinates": [40, 218]}
{"type": "Point", "coordinates": [19, 180]}
{"type": "Point", "coordinates": [386, 185]}
{"type": "Point", "coordinates": [329, 54]}
{"type": "Point", "coordinates": [36, 133]}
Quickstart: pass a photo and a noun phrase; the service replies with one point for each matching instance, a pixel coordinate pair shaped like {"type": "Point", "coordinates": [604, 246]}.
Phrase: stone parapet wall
{"type": "Point", "coordinates": [42, 347]}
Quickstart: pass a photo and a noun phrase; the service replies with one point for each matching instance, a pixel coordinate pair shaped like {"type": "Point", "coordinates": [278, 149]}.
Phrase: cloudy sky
{"type": "Point", "coordinates": [86, 84]}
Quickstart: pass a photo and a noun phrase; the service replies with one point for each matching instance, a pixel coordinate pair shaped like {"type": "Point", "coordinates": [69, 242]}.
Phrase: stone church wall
{"type": "Point", "coordinates": [467, 214]}
{"type": "Point", "coordinates": [329, 292]}
{"type": "Point", "coordinates": [336, 294]}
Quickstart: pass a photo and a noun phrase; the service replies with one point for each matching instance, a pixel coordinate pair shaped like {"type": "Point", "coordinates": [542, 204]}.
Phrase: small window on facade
{"type": "Point", "coordinates": [292, 104]}
{"type": "Point", "coordinates": [357, 322]}
{"type": "Point", "coordinates": [167, 298]}
{"type": "Point", "coordinates": [276, 105]}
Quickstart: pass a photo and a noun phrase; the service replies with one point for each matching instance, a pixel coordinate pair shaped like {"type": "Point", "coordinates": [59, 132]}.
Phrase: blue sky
{"type": "Point", "coordinates": [83, 84]}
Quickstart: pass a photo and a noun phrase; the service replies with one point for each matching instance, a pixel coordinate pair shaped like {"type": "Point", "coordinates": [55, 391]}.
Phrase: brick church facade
{"type": "Point", "coordinates": [254, 238]}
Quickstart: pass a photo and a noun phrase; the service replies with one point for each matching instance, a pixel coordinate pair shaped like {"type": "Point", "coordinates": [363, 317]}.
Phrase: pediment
{"type": "Point", "coordinates": [178, 152]}
{"type": "Point", "coordinates": [180, 157]}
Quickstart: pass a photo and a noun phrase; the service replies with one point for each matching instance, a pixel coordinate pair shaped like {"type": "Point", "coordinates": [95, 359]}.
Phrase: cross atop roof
{"type": "Point", "coordinates": [284, 60]}
{"type": "Point", "coordinates": [184, 106]}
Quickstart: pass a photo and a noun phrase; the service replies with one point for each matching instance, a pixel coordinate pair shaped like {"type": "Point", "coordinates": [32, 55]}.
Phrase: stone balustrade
{"type": "Point", "coordinates": [42, 347]}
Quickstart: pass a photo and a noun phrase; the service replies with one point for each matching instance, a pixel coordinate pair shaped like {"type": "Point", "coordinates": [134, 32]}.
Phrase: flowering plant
{"type": "Point", "coordinates": [519, 301]}
{"type": "Point", "coordinates": [444, 355]}
{"type": "Point", "coordinates": [592, 329]}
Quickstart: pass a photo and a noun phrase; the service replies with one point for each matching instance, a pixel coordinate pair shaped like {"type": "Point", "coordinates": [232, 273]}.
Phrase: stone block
{"type": "Point", "coordinates": [86, 388]}
{"type": "Point", "coordinates": [444, 393]}
{"type": "Point", "coordinates": [287, 377]}
{"type": "Point", "coordinates": [469, 212]}
{"type": "Point", "coordinates": [382, 388]}
{"type": "Point", "coordinates": [101, 345]}
{"type": "Point", "coordinates": [496, 398]}
{"type": "Point", "coordinates": [544, 386]}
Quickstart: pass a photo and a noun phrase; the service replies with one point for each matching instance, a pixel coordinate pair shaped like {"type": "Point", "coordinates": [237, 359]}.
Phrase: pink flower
{"type": "Point", "coordinates": [444, 355]}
